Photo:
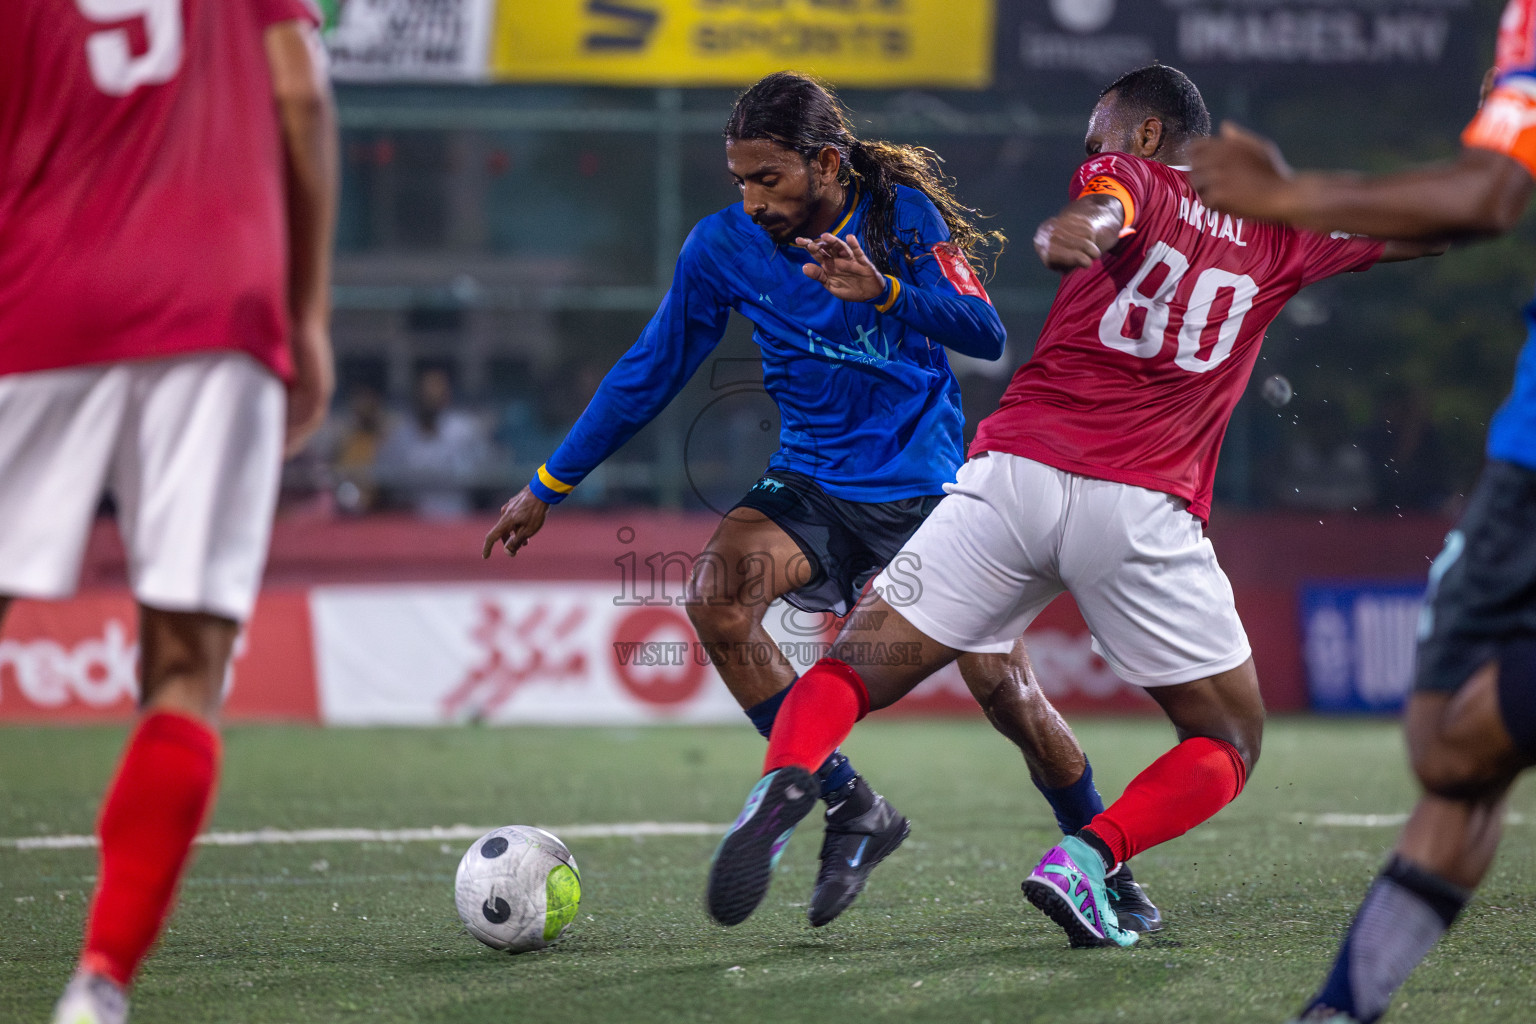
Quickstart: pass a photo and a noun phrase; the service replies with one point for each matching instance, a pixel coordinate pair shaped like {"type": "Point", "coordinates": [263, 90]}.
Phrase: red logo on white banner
{"type": "Point", "coordinates": [533, 646]}
{"type": "Point", "coordinates": [655, 657]}
{"type": "Point", "coordinates": [99, 672]}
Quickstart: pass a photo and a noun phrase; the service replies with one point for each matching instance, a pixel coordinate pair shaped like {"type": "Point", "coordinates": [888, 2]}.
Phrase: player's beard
{"type": "Point", "coordinates": [782, 229]}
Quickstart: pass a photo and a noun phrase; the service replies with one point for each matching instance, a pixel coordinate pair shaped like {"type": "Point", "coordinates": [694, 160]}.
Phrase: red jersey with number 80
{"type": "Point", "coordinates": [1146, 352]}
{"type": "Point", "coordinates": [141, 182]}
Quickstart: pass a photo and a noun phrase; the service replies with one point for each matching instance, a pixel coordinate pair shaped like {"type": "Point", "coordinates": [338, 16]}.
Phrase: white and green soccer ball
{"type": "Point", "coordinates": [517, 889]}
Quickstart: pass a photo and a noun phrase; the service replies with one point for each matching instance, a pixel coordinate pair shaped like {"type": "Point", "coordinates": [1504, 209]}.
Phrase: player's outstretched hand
{"type": "Point", "coordinates": [314, 381]}
{"type": "Point", "coordinates": [521, 518]}
{"type": "Point", "coordinates": [1241, 173]}
{"type": "Point", "coordinates": [842, 267]}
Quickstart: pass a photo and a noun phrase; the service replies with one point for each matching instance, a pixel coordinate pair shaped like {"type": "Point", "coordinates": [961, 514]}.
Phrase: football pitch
{"type": "Point", "coordinates": [365, 930]}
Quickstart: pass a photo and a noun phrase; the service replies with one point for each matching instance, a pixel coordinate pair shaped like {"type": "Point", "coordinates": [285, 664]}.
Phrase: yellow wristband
{"type": "Point", "coordinates": [552, 483]}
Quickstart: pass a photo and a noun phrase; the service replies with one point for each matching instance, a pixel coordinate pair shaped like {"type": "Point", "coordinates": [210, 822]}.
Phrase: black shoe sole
{"type": "Point", "coordinates": [867, 866]}
{"type": "Point", "coordinates": [743, 864]}
{"type": "Point", "coordinates": [1050, 902]}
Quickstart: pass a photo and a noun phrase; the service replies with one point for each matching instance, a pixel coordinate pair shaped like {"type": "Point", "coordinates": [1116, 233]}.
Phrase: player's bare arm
{"type": "Point", "coordinates": [307, 112]}
{"type": "Point", "coordinates": [843, 268]}
{"type": "Point", "coordinates": [521, 518]}
{"type": "Point", "coordinates": [1085, 229]}
{"type": "Point", "coordinates": [1480, 194]}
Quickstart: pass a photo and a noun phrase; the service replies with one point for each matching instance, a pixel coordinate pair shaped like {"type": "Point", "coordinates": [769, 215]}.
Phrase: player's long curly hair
{"type": "Point", "coordinates": [802, 114]}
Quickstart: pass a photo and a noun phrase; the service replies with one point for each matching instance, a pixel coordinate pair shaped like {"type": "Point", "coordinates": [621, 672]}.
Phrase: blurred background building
{"type": "Point", "coordinates": [518, 179]}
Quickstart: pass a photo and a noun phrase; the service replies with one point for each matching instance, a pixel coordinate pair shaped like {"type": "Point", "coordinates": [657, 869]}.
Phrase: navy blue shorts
{"type": "Point", "coordinates": [1482, 587]}
{"type": "Point", "coordinates": [846, 542]}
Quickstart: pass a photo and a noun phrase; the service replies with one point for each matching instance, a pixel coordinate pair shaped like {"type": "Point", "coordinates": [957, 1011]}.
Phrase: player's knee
{"type": "Point", "coordinates": [722, 621]}
{"type": "Point", "coordinates": [1251, 743]}
{"type": "Point", "coordinates": [1245, 734]}
{"type": "Point", "coordinates": [1454, 773]}
{"type": "Point", "coordinates": [1242, 732]}
{"type": "Point", "coordinates": [708, 583]}
{"type": "Point", "coordinates": [192, 685]}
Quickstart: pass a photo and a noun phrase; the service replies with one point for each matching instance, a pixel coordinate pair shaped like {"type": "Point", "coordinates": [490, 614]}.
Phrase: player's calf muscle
{"type": "Point", "coordinates": [183, 659]}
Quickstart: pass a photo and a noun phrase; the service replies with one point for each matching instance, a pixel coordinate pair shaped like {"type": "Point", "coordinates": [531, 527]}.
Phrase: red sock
{"type": "Point", "coordinates": [817, 716]}
{"type": "Point", "coordinates": [1172, 795]}
{"type": "Point", "coordinates": [156, 804]}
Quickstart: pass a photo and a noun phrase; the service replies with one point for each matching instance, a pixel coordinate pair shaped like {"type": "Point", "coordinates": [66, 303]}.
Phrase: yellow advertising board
{"type": "Point", "coordinates": [878, 43]}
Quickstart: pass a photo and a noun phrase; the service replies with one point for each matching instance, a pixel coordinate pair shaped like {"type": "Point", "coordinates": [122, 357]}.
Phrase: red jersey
{"type": "Point", "coordinates": [1146, 352]}
{"type": "Point", "coordinates": [141, 182]}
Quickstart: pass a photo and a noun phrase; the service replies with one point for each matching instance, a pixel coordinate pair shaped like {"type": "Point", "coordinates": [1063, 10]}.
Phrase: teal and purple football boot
{"type": "Point", "coordinates": [1067, 886]}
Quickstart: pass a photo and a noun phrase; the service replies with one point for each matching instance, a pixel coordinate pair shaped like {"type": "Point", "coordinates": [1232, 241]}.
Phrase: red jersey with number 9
{"type": "Point", "coordinates": [141, 182]}
{"type": "Point", "coordinates": [1146, 352]}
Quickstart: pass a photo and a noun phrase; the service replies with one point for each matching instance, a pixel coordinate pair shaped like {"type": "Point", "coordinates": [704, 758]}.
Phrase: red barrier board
{"type": "Point", "coordinates": [77, 660]}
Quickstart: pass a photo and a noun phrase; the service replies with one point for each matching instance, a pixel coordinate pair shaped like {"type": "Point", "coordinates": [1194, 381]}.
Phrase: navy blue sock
{"type": "Point", "coordinates": [835, 773]}
{"type": "Point", "coordinates": [1403, 916]}
{"type": "Point", "coordinates": [1075, 805]}
{"type": "Point", "coordinates": [763, 714]}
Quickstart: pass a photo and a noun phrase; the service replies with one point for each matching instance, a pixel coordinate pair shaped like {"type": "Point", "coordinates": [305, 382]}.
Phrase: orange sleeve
{"type": "Point", "coordinates": [1104, 185]}
{"type": "Point", "coordinates": [1506, 124]}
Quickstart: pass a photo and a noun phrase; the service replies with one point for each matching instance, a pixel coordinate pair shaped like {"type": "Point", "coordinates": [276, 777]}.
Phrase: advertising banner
{"type": "Point", "coordinates": [1359, 644]}
{"type": "Point", "coordinates": [409, 40]}
{"type": "Point", "coordinates": [77, 660]}
{"type": "Point", "coordinates": [1100, 39]}
{"type": "Point", "coordinates": [524, 653]}
{"type": "Point", "coordinates": [878, 43]}
{"type": "Point", "coordinates": [571, 653]}
{"type": "Point", "coordinates": [567, 653]}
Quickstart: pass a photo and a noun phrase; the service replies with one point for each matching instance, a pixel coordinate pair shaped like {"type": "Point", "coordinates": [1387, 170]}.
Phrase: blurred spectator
{"type": "Point", "coordinates": [355, 449]}
{"type": "Point", "coordinates": [533, 424]}
{"type": "Point", "coordinates": [433, 458]}
{"type": "Point", "coordinates": [522, 434]}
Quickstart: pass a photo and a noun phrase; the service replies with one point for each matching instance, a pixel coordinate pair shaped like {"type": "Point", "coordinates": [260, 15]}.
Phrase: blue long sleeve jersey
{"type": "Point", "coordinates": [868, 404]}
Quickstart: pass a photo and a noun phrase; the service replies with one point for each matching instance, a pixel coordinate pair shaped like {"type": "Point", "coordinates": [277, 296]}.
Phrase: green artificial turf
{"type": "Point", "coordinates": [1255, 899]}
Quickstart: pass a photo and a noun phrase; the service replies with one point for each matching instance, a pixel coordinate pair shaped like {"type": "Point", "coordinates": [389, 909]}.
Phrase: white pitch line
{"type": "Point", "coordinates": [620, 830]}
{"type": "Point", "coordinates": [1360, 820]}
{"type": "Point", "coordinates": [1382, 820]}
{"type": "Point", "coordinates": [279, 837]}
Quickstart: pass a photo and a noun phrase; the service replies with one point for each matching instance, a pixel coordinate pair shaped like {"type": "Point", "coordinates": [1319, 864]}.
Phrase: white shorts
{"type": "Point", "coordinates": [190, 448]}
{"type": "Point", "coordinates": [1013, 534]}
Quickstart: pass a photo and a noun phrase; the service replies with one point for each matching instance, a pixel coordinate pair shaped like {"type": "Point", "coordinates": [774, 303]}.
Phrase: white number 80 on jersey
{"type": "Point", "coordinates": [114, 68]}
{"type": "Point", "coordinates": [1118, 330]}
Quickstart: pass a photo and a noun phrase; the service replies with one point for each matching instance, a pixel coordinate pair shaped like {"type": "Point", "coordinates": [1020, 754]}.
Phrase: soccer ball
{"type": "Point", "coordinates": [517, 889]}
